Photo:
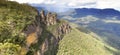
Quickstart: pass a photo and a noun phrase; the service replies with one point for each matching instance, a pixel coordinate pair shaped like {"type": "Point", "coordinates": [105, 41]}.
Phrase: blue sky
{"type": "Point", "coordinates": [61, 4]}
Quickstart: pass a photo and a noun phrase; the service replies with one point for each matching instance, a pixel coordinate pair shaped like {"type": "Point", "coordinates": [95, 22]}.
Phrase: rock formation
{"type": "Point", "coordinates": [42, 16]}
{"type": "Point", "coordinates": [64, 28]}
{"type": "Point", "coordinates": [38, 35]}
{"type": "Point", "coordinates": [51, 19]}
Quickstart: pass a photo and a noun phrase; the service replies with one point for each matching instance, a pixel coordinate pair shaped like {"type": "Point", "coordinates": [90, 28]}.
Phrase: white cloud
{"type": "Point", "coordinates": [108, 4]}
{"type": "Point", "coordinates": [86, 19]}
{"type": "Point", "coordinates": [77, 3]}
{"type": "Point", "coordinates": [50, 2]}
{"type": "Point", "coordinates": [72, 4]}
{"type": "Point", "coordinates": [112, 21]}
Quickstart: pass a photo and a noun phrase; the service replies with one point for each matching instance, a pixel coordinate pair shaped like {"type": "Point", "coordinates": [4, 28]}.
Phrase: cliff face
{"type": "Point", "coordinates": [44, 34]}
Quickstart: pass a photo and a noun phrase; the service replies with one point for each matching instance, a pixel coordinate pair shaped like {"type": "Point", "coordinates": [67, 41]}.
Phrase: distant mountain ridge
{"type": "Point", "coordinates": [104, 22]}
{"type": "Point", "coordinates": [99, 13]}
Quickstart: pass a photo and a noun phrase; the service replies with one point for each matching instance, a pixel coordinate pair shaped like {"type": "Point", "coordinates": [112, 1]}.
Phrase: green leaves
{"type": "Point", "coordinates": [13, 19]}
{"type": "Point", "coordinates": [9, 49]}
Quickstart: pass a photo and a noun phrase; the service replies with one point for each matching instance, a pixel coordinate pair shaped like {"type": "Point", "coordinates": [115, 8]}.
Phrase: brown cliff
{"type": "Point", "coordinates": [42, 40]}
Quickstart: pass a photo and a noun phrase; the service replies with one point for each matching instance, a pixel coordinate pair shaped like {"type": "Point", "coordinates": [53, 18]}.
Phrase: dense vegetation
{"type": "Point", "coordinates": [13, 18]}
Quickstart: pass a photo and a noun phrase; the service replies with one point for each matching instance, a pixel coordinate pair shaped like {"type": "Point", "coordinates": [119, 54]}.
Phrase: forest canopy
{"type": "Point", "coordinates": [13, 18]}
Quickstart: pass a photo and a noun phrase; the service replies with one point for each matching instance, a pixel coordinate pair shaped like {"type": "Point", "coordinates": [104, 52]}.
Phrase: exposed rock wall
{"type": "Point", "coordinates": [48, 19]}
{"type": "Point", "coordinates": [51, 19]}
{"type": "Point", "coordinates": [64, 28]}
{"type": "Point", "coordinates": [38, 35]}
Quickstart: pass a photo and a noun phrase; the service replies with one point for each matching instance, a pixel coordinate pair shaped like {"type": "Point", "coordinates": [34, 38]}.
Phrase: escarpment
{"type": "Point", "coordinates": [44, 34]}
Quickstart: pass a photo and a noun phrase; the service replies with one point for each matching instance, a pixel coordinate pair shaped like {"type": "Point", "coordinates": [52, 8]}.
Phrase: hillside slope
{"type": "Point", "coordinates": [26, 31]}
{"type": "Point", "coordinates": [13, 18]}
{"type": "Point", "coordinates": [81, 43]}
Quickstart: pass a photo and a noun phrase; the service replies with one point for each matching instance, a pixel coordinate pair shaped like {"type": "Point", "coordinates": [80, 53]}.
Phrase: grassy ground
{"type": "Point", "coordinates": [80, 43]}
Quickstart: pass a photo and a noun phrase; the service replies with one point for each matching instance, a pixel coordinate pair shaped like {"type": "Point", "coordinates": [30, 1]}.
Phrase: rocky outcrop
{"type": "Point", "coordinates": [42, 16]}
{"type": "Point", "coordinates": [64, 29]}
{"type": "Point", "coordinates": [51, 19]}
{"type": "Point", "coordinates": [38, 35]}
{"type": "Point", "coordinates": [48, 19]}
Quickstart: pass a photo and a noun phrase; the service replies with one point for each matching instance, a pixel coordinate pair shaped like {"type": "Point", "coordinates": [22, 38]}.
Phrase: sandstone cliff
{"type": "Point", "coordinates": [44, 34]}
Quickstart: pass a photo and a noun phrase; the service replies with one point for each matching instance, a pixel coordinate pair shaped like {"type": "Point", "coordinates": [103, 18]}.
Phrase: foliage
{"type": "Point", "coordinates": [13, 19]}
{"type": "Point", "coordinates": [9, 49]}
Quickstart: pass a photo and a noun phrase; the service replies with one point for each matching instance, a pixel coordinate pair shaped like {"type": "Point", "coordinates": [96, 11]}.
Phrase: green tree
{"type": "Point", "coordinates": [9, 49]}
